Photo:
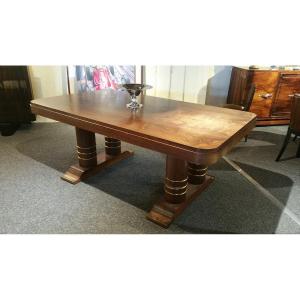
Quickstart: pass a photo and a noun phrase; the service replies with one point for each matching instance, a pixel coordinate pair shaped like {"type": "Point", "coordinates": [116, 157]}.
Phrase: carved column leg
{"type": "Point", "coordinates": [196, 173]}
{"type": "Point", "coordinates": [89, 162]}
{"type": "Point", "coordinates": [183, 183]}
{"type": "Point", "coordinates": [112, 146]}
{"type": "Point", "coordinates": [176, 180]}
{"type": "Point", "coordinates": [86, 148]}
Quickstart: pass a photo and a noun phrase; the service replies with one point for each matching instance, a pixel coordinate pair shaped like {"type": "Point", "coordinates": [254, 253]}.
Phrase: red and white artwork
{"type": "Point", "coordinates": [93, 78]}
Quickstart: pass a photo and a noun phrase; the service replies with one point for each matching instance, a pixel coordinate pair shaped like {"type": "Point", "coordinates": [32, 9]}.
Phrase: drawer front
{"type": "Point", "coordinates": [262, 102]}
{"type": "Point", "coordinates": [265, 83]}
{"type": "Point", "coordinates": [289, 84]}
{"type": "Point", "coordinates": [265, 80]}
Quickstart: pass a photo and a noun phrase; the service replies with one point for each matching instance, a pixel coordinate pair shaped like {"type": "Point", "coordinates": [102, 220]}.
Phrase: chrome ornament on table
{"type": "Point", "coordinates": [134, 90]}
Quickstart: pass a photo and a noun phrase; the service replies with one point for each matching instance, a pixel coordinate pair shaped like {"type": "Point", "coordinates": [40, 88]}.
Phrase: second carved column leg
{"type": "Point", "coordinates": [112, 146]}
{"type": "Point", "coordinates": [196, 173]}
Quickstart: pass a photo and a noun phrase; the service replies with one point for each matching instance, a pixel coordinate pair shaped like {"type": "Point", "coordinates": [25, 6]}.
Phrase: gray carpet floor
{"type": "Point", "coordinates": [33, 198]}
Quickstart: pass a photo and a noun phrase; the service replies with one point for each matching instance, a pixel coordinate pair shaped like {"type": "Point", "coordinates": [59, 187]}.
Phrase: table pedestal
{"type": "Point", "coordinates": [183, 182]}
{"type": "Point", "coordinates": [89, 162]}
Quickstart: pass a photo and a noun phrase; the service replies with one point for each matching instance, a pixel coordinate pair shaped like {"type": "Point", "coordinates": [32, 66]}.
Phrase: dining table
{"type": "Point", "coordinates": [192, 137]}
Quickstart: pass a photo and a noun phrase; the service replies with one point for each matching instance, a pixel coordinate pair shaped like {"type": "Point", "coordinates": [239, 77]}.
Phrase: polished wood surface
{"type": "Point", "coordinates": [271, 102]}
{"type": "Point", "coordinates": [288, 84]}
{"type": "Point", "coordinates": [194, 132]}
{"type": "Point", "coordinates": [192, 136]}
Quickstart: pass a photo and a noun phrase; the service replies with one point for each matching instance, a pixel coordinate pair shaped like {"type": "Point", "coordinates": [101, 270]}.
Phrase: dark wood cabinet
{"type": "Point", "coordinates": [272, 98]}
{"type": "Point", "coordinates": [15, 97]}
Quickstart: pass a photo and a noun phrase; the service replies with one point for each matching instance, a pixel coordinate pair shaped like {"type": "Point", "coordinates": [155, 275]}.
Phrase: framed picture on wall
{"type": "Point", "coordinates": [98, 77]}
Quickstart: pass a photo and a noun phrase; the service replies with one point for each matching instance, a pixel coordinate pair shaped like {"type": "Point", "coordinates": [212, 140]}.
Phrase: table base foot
{"type": "Point", "coordinates": [163, 213]}
{"type": "Point", "coordinates": [77, 173]}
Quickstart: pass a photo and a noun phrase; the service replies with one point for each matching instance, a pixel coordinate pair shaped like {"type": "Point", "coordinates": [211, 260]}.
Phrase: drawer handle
{"type": "Point", "coordinates": [266, 96]}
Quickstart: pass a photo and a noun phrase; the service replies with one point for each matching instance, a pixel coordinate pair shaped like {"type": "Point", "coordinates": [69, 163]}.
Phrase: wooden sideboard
{"type": "Point", "coordinates": [272, 98]}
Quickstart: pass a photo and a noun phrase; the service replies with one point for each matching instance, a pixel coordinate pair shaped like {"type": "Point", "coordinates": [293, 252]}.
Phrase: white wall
{"type": "Point", "coordinates": [198, 84]}
{"type": "Point", "coordinates": [217, 86]}
{"type": "Point", "coordinates": [48, 81]}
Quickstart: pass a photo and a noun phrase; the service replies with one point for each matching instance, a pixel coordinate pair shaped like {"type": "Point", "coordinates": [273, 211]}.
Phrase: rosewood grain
{"type": "Point", "coordinates": [193, 132]}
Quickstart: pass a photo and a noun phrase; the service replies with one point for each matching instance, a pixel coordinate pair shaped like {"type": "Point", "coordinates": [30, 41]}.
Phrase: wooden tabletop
{"type": "Point", "coordinates": [197, 130]}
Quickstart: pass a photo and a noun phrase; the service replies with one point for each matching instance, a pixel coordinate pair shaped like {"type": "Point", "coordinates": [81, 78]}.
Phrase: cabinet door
{"type": "Point", "coordinates": [288, 84]}
{"type": "Point", "coordinates": [265, 82]}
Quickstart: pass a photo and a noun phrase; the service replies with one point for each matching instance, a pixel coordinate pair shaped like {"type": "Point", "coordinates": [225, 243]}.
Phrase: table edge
{"type": "Point", "coordinates": [129, 135]}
